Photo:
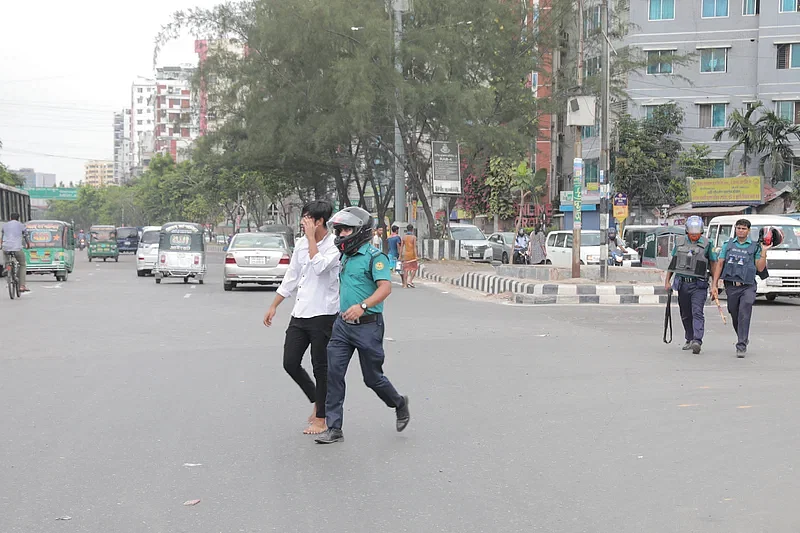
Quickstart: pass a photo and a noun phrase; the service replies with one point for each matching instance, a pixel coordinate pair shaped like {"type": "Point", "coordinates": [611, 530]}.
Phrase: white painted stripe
{"type": "Point", "coordinates": [649, 299]}
{"type": "Point", "coordinates": [606, 289]}
{"type": "Point", "coordinates": [567, 290]}
{"type": "Point", "coordinates": [609, 299]}
{"type": "Point", "coordinates": [188, 295]}
{"type": "Point", "coordinates": [641, 290]}
{"type": "Point", "coordinates": [567, 299]}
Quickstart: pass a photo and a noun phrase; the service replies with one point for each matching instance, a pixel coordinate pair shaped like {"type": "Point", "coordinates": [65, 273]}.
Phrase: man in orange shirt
{"type": "Point", "coordinates": [410, 263]}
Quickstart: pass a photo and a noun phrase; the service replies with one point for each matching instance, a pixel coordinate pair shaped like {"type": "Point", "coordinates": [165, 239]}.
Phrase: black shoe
{"type": "Point", "coordinates": [403, 416]}
{"type": "Point", "coordinates": [687, 346]}
{"type": "Point", "coordinates": [329, 436]}
{"type": "Point", "coordinates": [740, 353]}
{"type": "Point", "coordinates": [696, 347]}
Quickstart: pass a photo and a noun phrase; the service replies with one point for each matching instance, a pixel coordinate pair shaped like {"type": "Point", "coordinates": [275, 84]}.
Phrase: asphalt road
{"type": "Point", "coordinates": [552, 419]}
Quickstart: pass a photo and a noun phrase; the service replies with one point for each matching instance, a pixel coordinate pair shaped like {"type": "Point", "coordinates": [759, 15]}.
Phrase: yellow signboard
{"type": "Point", "coordinates": [620, 212]}
{"type": "Point", "coordinates": [741, 190]}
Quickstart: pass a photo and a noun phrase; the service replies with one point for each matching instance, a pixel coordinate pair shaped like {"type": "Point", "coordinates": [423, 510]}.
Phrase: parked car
{"type": "Point", "coordinates": [221, 239]}
{"type": "Point", "coordinates": [261, 258]}
{"type": "Point", "coordinates": [473, 243]}
{"type": "Point", "coordinates": [502, 244]}
{"type": "Point", "coordinates": [559, 249]}
{"type": "Point", "coordinates": [147, 252]}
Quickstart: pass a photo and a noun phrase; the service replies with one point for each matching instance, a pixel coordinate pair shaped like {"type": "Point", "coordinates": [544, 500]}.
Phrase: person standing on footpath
{"type": "Point", "coordinates": [377, 239]}
{"type": "Point", "coordinates": [395, 245]}
{"type": "Point", "coordinates": [740, 260]}
{"type": "Point", "coordinates": [692, 258]}
{"type": "Point", "coordinates": [365, 284]}
{"type": "Point", "coordinates": [410, 260]}
{"type": "Point", "coordinates": [537, 249]}
{"type": "Point", "coordinates": [313, 275]}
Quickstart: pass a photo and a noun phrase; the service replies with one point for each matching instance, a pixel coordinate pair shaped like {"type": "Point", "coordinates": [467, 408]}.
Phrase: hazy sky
{"type": "Point", "coordinates": [66, 67]}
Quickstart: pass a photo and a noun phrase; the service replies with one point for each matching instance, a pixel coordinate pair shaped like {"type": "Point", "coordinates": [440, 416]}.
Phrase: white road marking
{"type": "Point", "coordinates": [57, 286]}
{"type": "Point", "coordinates": [194, 287]}
{"type": "Point", "coordinates": [188, 295]}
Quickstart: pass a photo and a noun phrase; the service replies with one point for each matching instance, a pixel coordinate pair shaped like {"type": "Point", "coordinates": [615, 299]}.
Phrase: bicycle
{"type": "Point", "coordinates": [12, 275]}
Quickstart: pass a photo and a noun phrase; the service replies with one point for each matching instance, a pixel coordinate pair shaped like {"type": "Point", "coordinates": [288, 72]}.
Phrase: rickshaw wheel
{"type": "Point", "coordinates": [186, 279]}
{"type": "Point", "coordinates": [90, 258]}
{"type": "Point", "coordinates": [116, 259]}
{"type": "Point", "coordinates": [158, 281]}
{"type": "Point", "coordinates": [201, 282]}
{"type": "Point", "coordinates": [104, 259]}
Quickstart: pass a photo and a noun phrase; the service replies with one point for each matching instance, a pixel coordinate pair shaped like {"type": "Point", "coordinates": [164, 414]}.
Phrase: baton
{"type": "Point", "coordinates": [668, 319]}
{"type": "Point", "coordinates": [719, 308]}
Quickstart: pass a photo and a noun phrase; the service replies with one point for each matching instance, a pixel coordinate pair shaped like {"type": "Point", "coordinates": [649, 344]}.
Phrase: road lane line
{"type": "Point", "coordinates": [188, 295]}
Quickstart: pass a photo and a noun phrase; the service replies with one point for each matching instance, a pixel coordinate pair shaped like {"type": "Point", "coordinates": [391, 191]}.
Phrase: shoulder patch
{"type": "Point", "coordinates": [379, 265]}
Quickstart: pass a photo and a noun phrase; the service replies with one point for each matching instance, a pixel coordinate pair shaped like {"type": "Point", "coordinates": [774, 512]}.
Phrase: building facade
{"type": "Point", "coordinates": [142, 120]}
{"type": "Point", "coordinates": [176, 113]}
{"type": "Point", "coordinates": [35, 179]}
{"type": "Point", "coordinates": [737, 52]}
{"type": "Point", "coordinates": [99, 173]}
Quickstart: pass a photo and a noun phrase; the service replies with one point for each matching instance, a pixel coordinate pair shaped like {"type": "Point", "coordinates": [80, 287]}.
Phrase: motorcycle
{"type": "Point", "coordinates": [615, 258]}
{"type": "Point", "coordinates": [82, 243]}
{"type": "Point", "coordinates": [521, 256]}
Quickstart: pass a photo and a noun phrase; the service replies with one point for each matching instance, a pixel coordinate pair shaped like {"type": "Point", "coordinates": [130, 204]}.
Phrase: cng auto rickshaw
{"type": "Point", "coordinates": [51, 248]}
{"type": "Point", "coordinates": [658, 245]}
{"type": "Point", "coordinates": [103, 243]}
{"type": "Point", "coordinates": [181, 252]}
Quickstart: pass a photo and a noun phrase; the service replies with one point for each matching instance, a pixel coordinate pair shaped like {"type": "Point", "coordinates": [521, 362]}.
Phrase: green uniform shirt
{"type": "Point", "coordinates": [711, 255]}
{"type": "Point", "coordinates": [357, 283]}
{"type": "Point", "coordinates": [724, 252]}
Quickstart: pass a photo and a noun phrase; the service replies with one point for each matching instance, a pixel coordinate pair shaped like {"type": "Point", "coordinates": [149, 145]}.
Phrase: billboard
{"type": "Point", "coordinates": [445, 159]}
{"type": "Point", "coordinates": [741, 190]}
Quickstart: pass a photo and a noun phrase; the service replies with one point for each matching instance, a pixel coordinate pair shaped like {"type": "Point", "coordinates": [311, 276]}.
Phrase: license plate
{"type": "Point", "coordinates": [258, 260]}
{"type": "Point", "coordinates": [475, 256]}
{"type": "Point", "coordinates": [777, 282]}
{"type": "Point", "coordinates": [127, 243]}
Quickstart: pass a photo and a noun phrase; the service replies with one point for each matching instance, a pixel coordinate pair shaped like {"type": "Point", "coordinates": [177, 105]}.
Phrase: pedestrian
{"type": "Point", "coordinates": [739, 262]}
{"type": "Point", "coordinates": [14, 240]}
{"type": "Point", "coordinates": [692, 258]}
{"type": "Point", "coordinates": [538, 250]}
{"type": "Point", "coordinates": [395, 244]}
{"type": "Point", "coordinates": [313, 275]}
{"type": "Point", "coordinates": [410, 261]}
{"type": "Point", "coordinates": [365, 284]}
{"type": "Point", "coordinates": [377, 239]}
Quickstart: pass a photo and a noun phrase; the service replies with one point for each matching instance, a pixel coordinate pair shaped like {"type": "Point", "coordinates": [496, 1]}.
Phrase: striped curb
{"type": "Point", "coordinates": [553, 293]}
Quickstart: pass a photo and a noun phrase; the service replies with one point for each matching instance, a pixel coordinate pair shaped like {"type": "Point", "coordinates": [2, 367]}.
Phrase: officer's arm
{"type": "Point", "coordinates": [381, 293]}
{"type": "Point", "coordinates": [761, 263]}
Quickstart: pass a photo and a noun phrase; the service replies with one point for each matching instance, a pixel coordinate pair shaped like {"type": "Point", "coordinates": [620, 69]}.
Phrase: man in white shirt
{"type": "Point", "coordinates": [377, 239]}
{"type": "Point", "coordinates": [313, 275]}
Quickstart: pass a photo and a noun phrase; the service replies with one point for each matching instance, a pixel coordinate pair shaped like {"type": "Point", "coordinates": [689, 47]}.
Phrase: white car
{"type": "Point", "coordinates": [474, 244]}
{"type": "Point", "coordinates": [147, 252]}
{"type": "Point", "coordinates": [559, 249]}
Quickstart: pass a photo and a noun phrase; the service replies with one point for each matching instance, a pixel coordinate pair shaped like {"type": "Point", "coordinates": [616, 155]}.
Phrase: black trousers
{"type": "Point", "coordinates": [301, 332]}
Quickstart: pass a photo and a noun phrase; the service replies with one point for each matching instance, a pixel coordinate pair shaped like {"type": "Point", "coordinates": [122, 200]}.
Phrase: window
{"type": "Point", "coordinates": [788, 56]}
{"type": "Point", "coordinates": [789, 111]}
{"type": "Point", "coordinates": [657, 65]}
{"type": "Point", "coordinates": [649, 111]}
{"type": "Point", "coordinates": [568, 241]}
{"type": "Point", "coordinates": [551, 239]}
{"type": "Point", "coordinates": [788, 6]}
{"type": "Point", "coordinates": [149, 121]}
{"type": "Point", "coordinates": [562, 237]}
{"type": "Point", "coordinates": [751, 7]}
{"type": "Point", "coordinates": [139, 90]}
{"type": "Point", "coordinates": [712, 116]}
{"type": "Point", "coordinates": [715, 8]}
{"type": "Point", "coordinates": [138, 122]}
{"type": "Point", "coordinates": [713, 60]}
{"type": "Point", "coordinates": [591, 66]}
{"type": "Point", "coordinates": [717, 168]}
{"type": "Point", "coordinates": [591, 20]}
{"type": "Point", "coordinates": [590, 131]}
{"type": "Point", "coordinates": [138, 111]}
{"type": "Point", "coordinates": [590, 175]}
{"type": "Point", "coordinates": [789, 170]}
{"type": "Point", "coordinates": [662, 10]}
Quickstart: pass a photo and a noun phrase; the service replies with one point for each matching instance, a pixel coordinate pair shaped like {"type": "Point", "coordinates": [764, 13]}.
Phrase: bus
{"type": "Point", "coordinates": [13, 200]}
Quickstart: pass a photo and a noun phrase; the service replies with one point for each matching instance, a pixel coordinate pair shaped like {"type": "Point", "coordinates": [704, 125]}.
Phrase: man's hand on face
{"type": "Point", "coordinates": [309, 227]}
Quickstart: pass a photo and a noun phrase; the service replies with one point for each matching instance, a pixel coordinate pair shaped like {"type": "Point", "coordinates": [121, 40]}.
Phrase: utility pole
{"type": "Point", "coordinates": [578, 165]}
{"type": "Point", "coordinates": [605, 177]}
{"type": "Point", "coordinates": [399, 168]}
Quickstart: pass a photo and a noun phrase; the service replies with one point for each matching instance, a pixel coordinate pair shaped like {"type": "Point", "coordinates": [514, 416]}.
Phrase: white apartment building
{"type": "Point", "coordinates": [142, 121]}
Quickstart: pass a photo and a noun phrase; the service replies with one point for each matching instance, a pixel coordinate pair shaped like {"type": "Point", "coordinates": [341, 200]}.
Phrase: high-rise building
{"type": "Point", "coordinates": [142, 119]}
{"type": "Point", "coordinates": [99, 173]}
{"type": "Point", "coordinates": [209, 103]}
{"type": "Point", "coordinates": [176, 115]}
{"type": "Point", "coordinates": [35, 179]}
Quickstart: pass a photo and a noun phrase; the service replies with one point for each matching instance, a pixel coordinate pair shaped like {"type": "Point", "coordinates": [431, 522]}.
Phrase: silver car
{"type": "Point", "coordinates": [502, 246]}
{"type": "Point", "coordinates": [261, 258]}
{"type": "Point", "coordinates": [147, 252]}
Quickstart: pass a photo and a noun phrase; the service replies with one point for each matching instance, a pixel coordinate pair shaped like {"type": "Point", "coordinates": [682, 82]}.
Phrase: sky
{"type": "Point", "coordinates": [67, 67]}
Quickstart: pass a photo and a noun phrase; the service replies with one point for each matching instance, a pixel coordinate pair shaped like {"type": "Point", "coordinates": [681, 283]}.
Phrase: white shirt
{"type": "Point", "coordinates": [377, 242]}
{"type": "Point", "coordinates": [316, 281]}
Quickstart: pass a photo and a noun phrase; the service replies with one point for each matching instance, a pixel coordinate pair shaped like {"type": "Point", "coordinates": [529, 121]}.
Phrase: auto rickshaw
{"type": "Point", "coordinates": [51, 248]}
{"type": "Point", "coordinates": [181, 252]}
{"type": "Point", "coordinates": [103, 243]}
{"type": "Point", "coordinates": [658, 245]}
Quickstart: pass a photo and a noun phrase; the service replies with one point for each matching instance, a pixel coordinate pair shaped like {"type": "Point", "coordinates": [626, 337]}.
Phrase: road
{"type": "Point", "coordinates": [552, 418]}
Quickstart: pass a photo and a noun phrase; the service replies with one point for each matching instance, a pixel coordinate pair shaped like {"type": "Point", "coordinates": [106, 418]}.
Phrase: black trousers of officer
{"type": "Point", "coordinates": [692, 295]}
{"type": "Point", "coordinates": [367, 338]}
{"type": "Point", "coordinates": [741, 299]}
{"type": "Point", "coordinates": [301, 332]}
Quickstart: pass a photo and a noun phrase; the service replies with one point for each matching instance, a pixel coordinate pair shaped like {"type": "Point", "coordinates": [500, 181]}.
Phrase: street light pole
{"type": "Point", "coordinates": [577, 180]}
{"type": "Point", "coordinates": [605, 189]}
{"type": "Point", "coordinates": [399, 168]}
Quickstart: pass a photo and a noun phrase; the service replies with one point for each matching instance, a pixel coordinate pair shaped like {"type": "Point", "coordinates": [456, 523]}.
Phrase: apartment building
{"type": "Point", "coordinates": [176, 115]}
{"type": "Point", "coordinates": [738, 51]}
{"type": "Point", "coordinates": [99, 173]}
{"type": "Point", "coordinates": [142, 120]}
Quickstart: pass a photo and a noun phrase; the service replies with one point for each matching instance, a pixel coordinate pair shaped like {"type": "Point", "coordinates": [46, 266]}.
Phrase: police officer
{"type": "Point", "coordinates": [365, 282]}
{"type": "Point", "coordinates": [739, 262]}
{"type": "Point", "coordinates": [692, 258]}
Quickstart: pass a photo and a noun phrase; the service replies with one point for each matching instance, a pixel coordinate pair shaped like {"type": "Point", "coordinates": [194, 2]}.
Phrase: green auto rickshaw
{"type": "Point", "coordinates": [103, 243]}
{"type": "Point", "coordinates": [51, 248]}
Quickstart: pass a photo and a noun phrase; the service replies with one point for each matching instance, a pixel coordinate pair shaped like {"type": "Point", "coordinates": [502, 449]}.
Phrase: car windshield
{"type": "Point", "coordinates": [259, 242]}
{"type": "Point", "coordinates": [590, 239]}
{"type": "Point", "coordinates": [508, 237]}
{"type": "Point", "coordinates": [150, 237]}
{"type": "Point", "coordinates": [127, 233]}
{"type": "Point", "coordinates": [791, 237]}
{"type": "Point", "coordinates": [467, 234]}
{"type": "Point", "coordinates": [45, 235]}
{"type": "Point", "coordinates": [104, 234]}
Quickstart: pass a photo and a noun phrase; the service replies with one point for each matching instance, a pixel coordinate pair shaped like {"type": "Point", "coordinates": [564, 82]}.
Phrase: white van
{"type": "Point", "coordinates": [783, 262]}
{"type": "Point", "coordinates": [559, 249]}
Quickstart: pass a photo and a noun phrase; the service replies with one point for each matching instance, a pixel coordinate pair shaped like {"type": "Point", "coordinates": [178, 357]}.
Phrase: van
{"type": "Point", "coordinates": [783, 262]}
{"type": "Point", "coordinates": [559, 249]}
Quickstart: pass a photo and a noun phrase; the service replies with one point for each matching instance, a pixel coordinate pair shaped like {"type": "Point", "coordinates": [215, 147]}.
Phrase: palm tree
{"type": "Point", "coordinates": [745, 133]}
{"type": "Point", "coordinates": [774, 142]}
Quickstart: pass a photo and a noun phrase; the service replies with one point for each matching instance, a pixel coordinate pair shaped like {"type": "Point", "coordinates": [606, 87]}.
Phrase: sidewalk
{"type": "Point", "coordinates": [482, 277]}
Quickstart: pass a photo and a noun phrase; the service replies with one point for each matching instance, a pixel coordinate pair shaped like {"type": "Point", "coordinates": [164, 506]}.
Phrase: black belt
{"type": "Point", "coordinates": [688, 280]}
{"type": "Point", "coordinates": [737, 283]}
{"type": "Point", "coordinates": [365, 319]}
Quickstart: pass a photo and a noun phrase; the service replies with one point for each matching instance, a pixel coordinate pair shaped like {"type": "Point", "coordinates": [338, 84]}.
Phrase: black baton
{"type": "Point", "coordinates": [668, 319]}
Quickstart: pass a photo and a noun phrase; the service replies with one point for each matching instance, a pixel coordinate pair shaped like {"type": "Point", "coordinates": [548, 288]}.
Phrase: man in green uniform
{"type": "Point", "coordinates": [364, 283]}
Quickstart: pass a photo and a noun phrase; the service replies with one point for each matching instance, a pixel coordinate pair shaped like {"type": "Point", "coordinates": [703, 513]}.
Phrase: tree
{"type": "Point", "coordinates": [745, 132]}
{"type": "Point", "coordinates": [9, 178]}
{"type": "Point", "coordinates": [776, 135]}
{"type": "Point", "coordinates": [694, 163]}
{"type": "Point", "coordinates": [648, 149]}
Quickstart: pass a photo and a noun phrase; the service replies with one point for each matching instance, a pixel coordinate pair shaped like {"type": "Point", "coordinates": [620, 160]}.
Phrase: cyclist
{"type": "Point", "coordinates": [14, 241]}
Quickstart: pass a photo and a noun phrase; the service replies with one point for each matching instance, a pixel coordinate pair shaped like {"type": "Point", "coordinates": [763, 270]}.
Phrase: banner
{"type": "Point", "coordinates": [741, 190]}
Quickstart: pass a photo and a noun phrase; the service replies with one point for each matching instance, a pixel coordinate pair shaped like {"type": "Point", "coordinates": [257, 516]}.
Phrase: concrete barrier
{"type": "Point", "coordinates": [437, 249]}
{"type": "Point", "coordinates": [592, 272]}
